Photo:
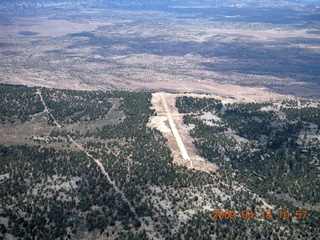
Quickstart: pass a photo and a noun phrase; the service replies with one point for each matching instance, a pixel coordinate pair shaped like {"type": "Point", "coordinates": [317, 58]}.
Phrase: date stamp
{"type": "Point", "coordinates": [264, 214]}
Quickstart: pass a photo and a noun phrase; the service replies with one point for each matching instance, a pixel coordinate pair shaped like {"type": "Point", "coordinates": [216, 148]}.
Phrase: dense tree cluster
{"type": "Point", "coordinates": [306, 114]}
{"type": "Point", "coordinates": [190, 104]}
{"type": "Point", "coordinates": [77, 106]}
{"type": "Point", "coordinates": [248, 121]}
{"type": "Point", "coordinates": [18, 104]}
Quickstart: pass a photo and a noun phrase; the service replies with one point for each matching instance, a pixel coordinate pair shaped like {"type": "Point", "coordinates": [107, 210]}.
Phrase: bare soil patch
{"type": "Point", "coordinates": [241, 93]}
{"type": "Point", "coordinates": [260, 35]}
{"type": "Point", "coordinates": [81, 54]}
{"type": "Point", "coordinates": [48, 28]}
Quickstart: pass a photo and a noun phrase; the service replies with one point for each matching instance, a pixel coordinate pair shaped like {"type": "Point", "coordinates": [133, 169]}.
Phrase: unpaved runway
{"type": "Point", "coordinates": [174, 130]}
{"type": "Point", "coordinates": [170, 122]}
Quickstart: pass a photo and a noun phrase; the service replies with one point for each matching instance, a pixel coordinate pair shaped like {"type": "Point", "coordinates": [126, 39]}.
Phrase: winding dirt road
{"type": "Point", "coordinates": [97, 161]}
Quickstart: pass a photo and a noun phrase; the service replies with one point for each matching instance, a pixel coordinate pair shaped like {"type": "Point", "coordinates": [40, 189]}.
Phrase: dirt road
{"type": "Point", "coordinates": [97, 161]}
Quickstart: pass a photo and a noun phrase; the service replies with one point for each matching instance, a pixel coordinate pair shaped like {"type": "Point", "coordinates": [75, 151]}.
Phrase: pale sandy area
{"type": "Point", "coordinates": [48, 28]}
{"type": "Point", "coordinates": [243, 93]}
{"type": "Point", "coordinates": [261, 35]}
{"type": "Point", "coordinates": [88, 67]}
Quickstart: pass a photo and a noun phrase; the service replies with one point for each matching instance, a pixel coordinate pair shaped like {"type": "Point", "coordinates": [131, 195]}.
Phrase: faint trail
{"type": "Point", "coordinates": [97, 161]}
{"type": "Point", "coordinates": [174, 130]}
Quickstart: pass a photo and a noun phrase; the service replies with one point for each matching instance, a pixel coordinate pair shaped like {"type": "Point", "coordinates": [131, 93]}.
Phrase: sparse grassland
{"type": "Point", "coordinates": [174, 50]}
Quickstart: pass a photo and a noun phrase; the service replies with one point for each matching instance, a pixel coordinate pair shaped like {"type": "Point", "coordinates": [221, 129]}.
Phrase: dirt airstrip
{"type": "Point", "coordinates": [170, 122]}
